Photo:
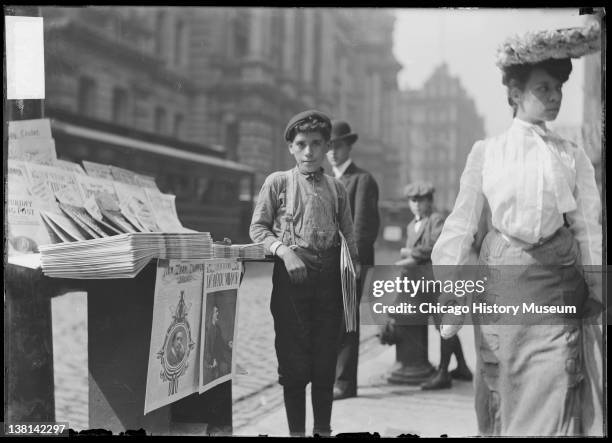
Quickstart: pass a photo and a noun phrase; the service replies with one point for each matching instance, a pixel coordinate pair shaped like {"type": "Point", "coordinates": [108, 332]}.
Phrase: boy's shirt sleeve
{"type": "Point", "coordinates": [346, 222]}
{"type": "Point", "coordinates": [264, 214]}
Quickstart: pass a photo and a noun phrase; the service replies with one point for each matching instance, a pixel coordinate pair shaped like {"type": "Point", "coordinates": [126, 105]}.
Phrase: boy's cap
{"type": "Point", "coordinates": [418, 189]}
{"type": "Point", "coordinates": [310, 116]}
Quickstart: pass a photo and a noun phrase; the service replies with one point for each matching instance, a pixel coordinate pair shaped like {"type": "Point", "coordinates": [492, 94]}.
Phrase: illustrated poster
{"type": "Point", "coordinates": [219, 313]}
{"type": "Point", "coordinates": [175, 333]}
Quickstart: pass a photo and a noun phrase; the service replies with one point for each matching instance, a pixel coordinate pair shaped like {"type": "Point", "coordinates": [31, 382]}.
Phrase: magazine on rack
{"type": "Point", "coordinates": [70, 166]}
{"type": "Point", "coordinates": [133, 199]}
{"type": "Point", "coordinates": [26, 229]}
{"type": "Point", "coordinates": [46, 184]}
{"type": "Point", "coordinates": [65, 198]}
{"type": "Point", "coordinates": [102, 203]}
{"type": "Point", "coordinates": [164, 211]}
{"type": "Point", "coordinates": [98, 170]}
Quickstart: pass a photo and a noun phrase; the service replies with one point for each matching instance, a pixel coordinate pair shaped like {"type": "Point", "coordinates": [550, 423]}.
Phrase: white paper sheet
{"type": "Point", "coordinates": [25, 58]}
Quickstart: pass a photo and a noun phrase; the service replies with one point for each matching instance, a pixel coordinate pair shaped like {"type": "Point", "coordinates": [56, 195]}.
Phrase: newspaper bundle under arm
{"type": "Point", "coordinates": [349, 286]}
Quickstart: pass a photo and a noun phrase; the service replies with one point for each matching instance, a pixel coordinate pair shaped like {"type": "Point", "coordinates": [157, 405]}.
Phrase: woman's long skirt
{"type": "Point", "coordinates": [531, 375]}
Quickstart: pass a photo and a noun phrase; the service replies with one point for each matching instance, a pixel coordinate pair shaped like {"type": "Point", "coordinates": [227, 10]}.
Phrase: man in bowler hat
{"type": "Point", "coordinates": [422, 233]}
{"type": "Point", "coordinates": [363, 197]}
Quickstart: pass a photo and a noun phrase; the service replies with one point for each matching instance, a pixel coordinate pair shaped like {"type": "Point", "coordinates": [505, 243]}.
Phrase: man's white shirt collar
{"type": "Point", "coordinates": [340, 170]}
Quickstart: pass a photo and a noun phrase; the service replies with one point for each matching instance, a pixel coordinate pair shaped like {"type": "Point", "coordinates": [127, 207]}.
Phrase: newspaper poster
{"type": "Point", "coordinates": [175, 333]}
{"type": "Point", "coordinates": [219, 313]}
{"type": "Point", "coordinates": [20, 129]}
{"type": "Point", "coordinates": [33, 149]}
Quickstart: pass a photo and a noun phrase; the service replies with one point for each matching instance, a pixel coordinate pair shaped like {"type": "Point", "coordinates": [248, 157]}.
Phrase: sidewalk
{"type": "Point", "coordinates": [391, 410]}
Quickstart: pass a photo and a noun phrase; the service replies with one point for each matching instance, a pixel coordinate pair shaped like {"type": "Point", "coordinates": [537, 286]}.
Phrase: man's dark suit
{"type": "Point", "coordinates": [363, 197]}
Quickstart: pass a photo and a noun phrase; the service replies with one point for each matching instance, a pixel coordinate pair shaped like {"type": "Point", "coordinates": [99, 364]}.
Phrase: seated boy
{"type": "Point", "coordinates": [298, 215]}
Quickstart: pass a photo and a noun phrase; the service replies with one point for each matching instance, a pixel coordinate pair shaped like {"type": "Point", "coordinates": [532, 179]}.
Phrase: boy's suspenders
{"type": "Point", "coordinates": [289, 205]}
{"type": "Point", "coordinates": [291, 188]}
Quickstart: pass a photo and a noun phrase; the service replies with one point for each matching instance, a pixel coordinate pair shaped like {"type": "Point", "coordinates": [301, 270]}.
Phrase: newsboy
{"type": "Point", "coordinates": [362, 192]}
{"type": "Point", "coordinates": [298, 215]}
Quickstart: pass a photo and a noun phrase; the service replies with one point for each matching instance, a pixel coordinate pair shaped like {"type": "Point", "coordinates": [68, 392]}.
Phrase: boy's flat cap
{"type": "Point", "coordinates": [309, 116]}
{"type": "Point", "coordinates": [418, 189]}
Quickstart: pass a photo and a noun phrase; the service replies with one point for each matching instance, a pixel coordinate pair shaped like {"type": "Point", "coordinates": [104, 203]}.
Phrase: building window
{"type": "Point", "coordinates": [177, 130]}
{"type": "Point", "coordinates": [160, 35]}
{"type": "Point", "coordinates": [232, 139]}
{"type": "Point", "coordinates": [277, 41]}
{"type": "Point", "coordinates": [160, 120]}
{"type": "Point", "coordinates": [87, 96]}
{"type": "Point", "coordinates": [179, 43]}
{"type": "Point", "coordinates": [299, 42]}
{"type": "Point", "coordinates": [318, 49]}
{"type": "Point", "coordinates": [120, 106]}
{"type": "Point", "coordinates": [241, 33]}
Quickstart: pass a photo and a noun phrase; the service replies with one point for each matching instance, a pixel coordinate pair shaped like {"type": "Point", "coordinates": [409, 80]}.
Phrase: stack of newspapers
{"type": "Point", "coordinates": [253, 251]}
{"type": "Point", "coordinates": [349, 287]}
{"type": "Point", "coordinates": [121, 256]}
{"type": "Point", "coordinates": [225, 249]}
{"type": "Point", "coordinates": [222, 249]}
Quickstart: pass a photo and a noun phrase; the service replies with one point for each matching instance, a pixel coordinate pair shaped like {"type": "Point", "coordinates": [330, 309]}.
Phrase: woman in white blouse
{"type": "Point", "coordinates": [536, 379]}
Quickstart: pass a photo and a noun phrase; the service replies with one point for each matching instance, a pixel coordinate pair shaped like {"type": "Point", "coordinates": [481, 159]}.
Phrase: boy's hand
{"type": "Point", "coordinates": [294, 264]}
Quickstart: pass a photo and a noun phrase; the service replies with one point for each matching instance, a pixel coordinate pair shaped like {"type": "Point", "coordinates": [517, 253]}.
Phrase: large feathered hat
{"type": "Point", "coordinates": [535, 47]}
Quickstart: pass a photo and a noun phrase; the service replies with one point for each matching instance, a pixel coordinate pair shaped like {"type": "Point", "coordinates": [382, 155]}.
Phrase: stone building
{"type": "Point", "coordinates": [228, 78]}
{"type": "Point", "coordinates": [435, 128]}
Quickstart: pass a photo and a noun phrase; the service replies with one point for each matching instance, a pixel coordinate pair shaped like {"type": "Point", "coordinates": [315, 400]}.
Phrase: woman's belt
{"type": "Point", "coordinates": [527, 246]}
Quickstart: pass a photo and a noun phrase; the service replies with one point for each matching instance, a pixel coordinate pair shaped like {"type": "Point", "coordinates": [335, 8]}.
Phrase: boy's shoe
{"type": "Point", "coordinates": [462, 373]}
{"type": "Point", "coordinates": [440, 380]}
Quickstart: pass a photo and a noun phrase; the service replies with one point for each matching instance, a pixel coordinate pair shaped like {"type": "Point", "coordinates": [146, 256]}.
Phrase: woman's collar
{"type": "Point", "coordinates": [539, 128]}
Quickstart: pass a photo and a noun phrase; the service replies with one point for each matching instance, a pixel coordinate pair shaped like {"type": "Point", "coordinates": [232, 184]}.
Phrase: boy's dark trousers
{"type": "Point", "coordinates": [307, 323]}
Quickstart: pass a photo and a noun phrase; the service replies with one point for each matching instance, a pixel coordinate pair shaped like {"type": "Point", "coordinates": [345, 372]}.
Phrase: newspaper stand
{"type": "Point", "coordinates": [119, 316]}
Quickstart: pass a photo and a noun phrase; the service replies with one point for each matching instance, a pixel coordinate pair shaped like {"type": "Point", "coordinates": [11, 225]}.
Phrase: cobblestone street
{"type": "Point", "coordinates": [255, 393]}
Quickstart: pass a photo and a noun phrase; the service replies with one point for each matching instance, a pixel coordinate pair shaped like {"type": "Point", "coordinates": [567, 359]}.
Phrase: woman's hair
{"type": "Point", "coordinates": [517, 75]}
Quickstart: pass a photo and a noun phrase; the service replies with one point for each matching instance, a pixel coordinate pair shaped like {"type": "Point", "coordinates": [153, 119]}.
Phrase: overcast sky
{"type": "Point", "coordinates": [466, 39]}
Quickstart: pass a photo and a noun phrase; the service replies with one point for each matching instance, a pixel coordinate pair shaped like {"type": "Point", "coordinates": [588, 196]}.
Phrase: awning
{"type": "Point", "coordinates": [119, 140]}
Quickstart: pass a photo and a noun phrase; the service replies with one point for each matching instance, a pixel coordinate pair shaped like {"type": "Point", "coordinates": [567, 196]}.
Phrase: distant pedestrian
{"type": "Point", "coordinates": [363, 197]}
{"type": "Point", "coordinates": [298, 215]}
{"type": "Point", "coordinates": [534, 379]}
{"type": "Point", "coordinates": [422, 233]}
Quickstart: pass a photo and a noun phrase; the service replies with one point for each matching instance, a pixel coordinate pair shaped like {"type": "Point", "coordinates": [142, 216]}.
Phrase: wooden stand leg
{"type": "Point", "coordinates": [28, 347]}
